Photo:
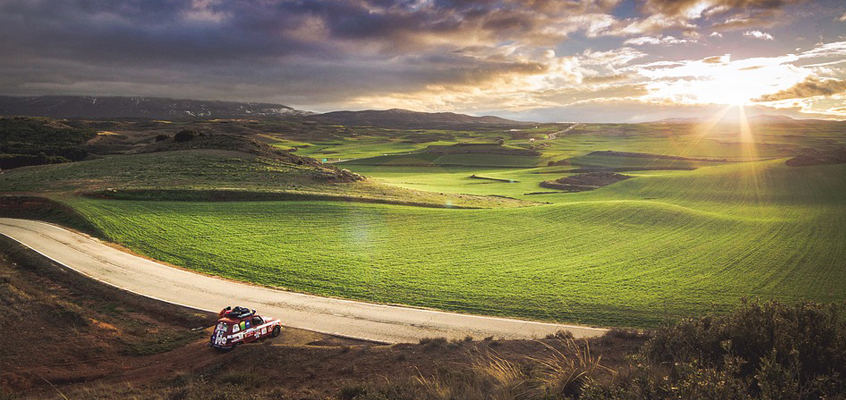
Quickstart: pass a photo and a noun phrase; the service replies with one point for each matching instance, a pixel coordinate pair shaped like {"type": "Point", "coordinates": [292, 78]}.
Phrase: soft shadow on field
{"type": "Point", "coordinates": [48, 210]}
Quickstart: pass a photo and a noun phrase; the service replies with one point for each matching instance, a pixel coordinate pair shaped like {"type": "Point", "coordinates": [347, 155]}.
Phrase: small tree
{"type": "Point", "coordinates": [184, 135]}
{"type": "Point", "coordinates": [500, 141]}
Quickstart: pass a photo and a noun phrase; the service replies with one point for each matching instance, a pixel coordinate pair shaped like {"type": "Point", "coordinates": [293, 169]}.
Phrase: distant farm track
{"type": "Point", "coordinates": [335, 316]}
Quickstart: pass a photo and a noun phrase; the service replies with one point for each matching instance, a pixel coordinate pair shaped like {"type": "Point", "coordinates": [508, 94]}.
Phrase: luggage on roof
{"type": "Point", "coordinates": [241, 312]}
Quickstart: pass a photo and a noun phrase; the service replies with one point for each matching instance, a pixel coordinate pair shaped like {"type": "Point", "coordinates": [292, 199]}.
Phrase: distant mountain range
{"type": "Point", "coordinates": [758, 119]}
{"type": "Point", "coordinates": [405, 119]}
{"type": "Point", "coordinates": [137, 107]}
{"type": "Point", "coordinates": [163, 108]}
{"type": "Point", "coordinates": [778, 119]}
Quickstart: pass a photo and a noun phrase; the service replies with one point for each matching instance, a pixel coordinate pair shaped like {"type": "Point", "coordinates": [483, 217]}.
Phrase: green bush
{"type": "Point", "coordinates": [8, 161]}
{"type": "Point", "coordinates": [763, 350]}
{"type": "Point", "coordinates": [809, 336]}
{"type": "Point", "coordinates": [35, 141]}
{"type": "Point", "coordinates": [184, 135]}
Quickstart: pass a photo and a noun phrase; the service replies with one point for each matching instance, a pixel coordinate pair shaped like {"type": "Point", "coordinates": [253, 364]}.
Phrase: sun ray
{"type": "Point", "coordinates": [750, 155]}
{"type": "Point", "coordinates": [702, 130]}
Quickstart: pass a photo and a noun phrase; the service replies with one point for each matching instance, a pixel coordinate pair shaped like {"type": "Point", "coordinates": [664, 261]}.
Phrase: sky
{"type": "Point", "coordinates": [536, 60]}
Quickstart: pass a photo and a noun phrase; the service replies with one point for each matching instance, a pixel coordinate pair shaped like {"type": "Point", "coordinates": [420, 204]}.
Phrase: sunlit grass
{"type": "Point", "coordinates": [636, 253]}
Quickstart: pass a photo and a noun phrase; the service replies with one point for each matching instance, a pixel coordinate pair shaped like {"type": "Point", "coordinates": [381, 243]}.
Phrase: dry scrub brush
{"type": "Point", "coordinates": [563, 369]}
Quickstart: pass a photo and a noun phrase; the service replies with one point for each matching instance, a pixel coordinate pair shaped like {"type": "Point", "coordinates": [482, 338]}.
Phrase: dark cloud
{"type": "Point", "coordinates": [299, 52]}
{"type": "Point", "coordinates": [303, 49]}
{"type": "Point", "coordinates": [327, 53]}
{"type": "Point", "coordinates": [156, 31]}
{"type": "Point", "coordinates": [810, 87]}
{"type": "Point", "coordinates": [725, 15]}
{"type": "Point", "coordinates": [714, 7]}
{"type": "Point", "coordinates": [125, 32]}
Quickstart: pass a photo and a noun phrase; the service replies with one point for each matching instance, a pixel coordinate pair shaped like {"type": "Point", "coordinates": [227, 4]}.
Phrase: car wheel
{"type": "Point", "coordinates": [225, 350]}
{"type": "Point", "coordinates": [276, 331]}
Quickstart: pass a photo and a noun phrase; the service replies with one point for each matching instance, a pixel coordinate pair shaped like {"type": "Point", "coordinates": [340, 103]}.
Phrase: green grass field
{"type": "Point", "coordinates": [646, 250]}
{"type": "Point", "coordinates": [449, 160]}
{"type": "Point", "coordinates": [660, 246]}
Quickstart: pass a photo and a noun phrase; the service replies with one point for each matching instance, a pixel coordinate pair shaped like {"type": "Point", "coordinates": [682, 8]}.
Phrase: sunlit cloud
{"type": "Point", "coordinates": [834, 49]}
{"type": "Point", "coordinates": [722, 81]}
{"type": "Point", "coordinates": [655, 40]}
{"type": "Point", "coordinates": [205, 11]}
{"type": "Point", "coordinates": [611, 59]}
{"type": "Point", "coordinates": [758, 35]}
{"type": "Point", "coordinates": [606, 77]}
{"type": "Point", "coordinates": [810, 87]}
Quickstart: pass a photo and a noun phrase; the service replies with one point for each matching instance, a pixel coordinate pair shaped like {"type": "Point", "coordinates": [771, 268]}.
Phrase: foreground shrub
{"type": "Point", "coordinates": [761, 351]}
{"type": "Point", "coordinates": [807, 337]}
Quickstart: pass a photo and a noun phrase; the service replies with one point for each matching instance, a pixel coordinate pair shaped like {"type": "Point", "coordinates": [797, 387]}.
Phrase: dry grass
{"type": "Point", "coordinates": [565, 374]}
{"type": "Point", "coordinates": [561, 371]}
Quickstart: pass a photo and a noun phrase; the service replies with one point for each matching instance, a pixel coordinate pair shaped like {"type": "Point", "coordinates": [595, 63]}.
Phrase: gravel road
{"type": "Point", "coordinates": [354, 319]}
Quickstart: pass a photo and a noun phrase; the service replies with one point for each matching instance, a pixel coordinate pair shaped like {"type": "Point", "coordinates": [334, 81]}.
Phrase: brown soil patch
{"type": "Point", "coordinates": [650, 155]}
{"type": "Point", "coordinates": [818, 157]}
{"type": "Point", "coordinates": [480, 148]}
{"type": "Point", "coordinates": [584, 182]}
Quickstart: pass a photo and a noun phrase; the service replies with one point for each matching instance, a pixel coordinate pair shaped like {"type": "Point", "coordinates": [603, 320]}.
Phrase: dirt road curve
{"type": "Point", "coordinates": [335, 316]}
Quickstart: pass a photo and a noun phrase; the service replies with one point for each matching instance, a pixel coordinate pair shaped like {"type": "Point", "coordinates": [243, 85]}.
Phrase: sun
{"type": "Point", "coordinates": [726, 82]}
{"type": "Point", "coordinates": [728, 89]}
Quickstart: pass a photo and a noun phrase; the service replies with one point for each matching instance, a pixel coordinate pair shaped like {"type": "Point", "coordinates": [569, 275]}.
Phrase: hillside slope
{"type": "Point", "coordinates": [33, 141]}
{"type": "Point", "coordinates": [222, 167]}
{"type": "Point", "coordinates": [406, 119]}
{"type": "Point", "coordinates": [637, 253]}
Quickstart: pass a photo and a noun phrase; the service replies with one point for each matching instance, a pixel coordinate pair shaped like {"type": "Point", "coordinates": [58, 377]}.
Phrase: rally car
{"type": "Point", "coordinates": [240, 325]}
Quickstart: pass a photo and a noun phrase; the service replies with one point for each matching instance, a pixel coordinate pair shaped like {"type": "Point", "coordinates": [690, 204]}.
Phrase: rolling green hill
{"type": "Point", "coordinates": [220, 174]}
{"type": "Point", "coordinates": [705, 219]}
{"type": "Point", "coordinates": [636, 253]}
{"type": "Point", "coordinates": [449, 160]}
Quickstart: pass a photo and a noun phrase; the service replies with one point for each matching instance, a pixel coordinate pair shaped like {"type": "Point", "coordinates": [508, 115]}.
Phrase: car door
{"type": "Point", "coordinates": [250, 334]}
